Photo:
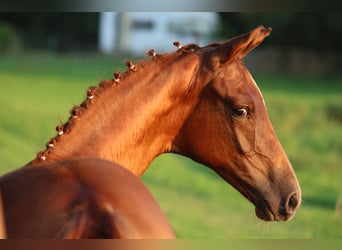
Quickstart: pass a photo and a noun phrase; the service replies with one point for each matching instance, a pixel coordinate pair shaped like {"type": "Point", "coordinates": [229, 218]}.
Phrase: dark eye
{"type": "Point", "coordinates": [241, 112]}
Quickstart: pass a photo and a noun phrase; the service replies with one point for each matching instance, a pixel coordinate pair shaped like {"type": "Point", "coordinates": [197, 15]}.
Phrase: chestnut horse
{"type": "Point", "coordinates": [200, 102]}
{"type": "Point", "coordinates": [80, 198]}
{"type": "Point", "coordinates": [2, 222]}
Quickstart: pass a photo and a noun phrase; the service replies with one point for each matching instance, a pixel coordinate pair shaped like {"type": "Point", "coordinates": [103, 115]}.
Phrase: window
{"type": "Point", "coordinates": [142, 25]}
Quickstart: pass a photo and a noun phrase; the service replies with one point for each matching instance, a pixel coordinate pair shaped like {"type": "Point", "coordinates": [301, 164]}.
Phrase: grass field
{"type": "Point", "coordinates": [38, 90]}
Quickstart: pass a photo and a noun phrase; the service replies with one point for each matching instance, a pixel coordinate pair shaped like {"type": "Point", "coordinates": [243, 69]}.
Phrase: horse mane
{"type": "Point", "coordinates": [94, 92]}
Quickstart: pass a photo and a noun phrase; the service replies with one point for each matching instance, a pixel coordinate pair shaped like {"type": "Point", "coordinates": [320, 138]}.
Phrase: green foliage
{"type": "Point", "coordinates": [38, 90]}
{"type": "Point", "coordinates": [8, 38]}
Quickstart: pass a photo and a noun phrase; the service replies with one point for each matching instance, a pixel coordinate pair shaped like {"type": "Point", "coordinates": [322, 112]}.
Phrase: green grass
{"type": "Point", "coordinates": [38, 90]}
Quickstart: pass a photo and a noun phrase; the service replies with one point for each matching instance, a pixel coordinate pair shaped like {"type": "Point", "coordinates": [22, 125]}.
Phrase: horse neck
{"type": "Point", "coordinates": [134, 121]}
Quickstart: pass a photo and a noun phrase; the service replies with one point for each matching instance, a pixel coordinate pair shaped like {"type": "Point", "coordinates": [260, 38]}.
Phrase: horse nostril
{"type": "Point", "coordinates": [290, 205]}
{"type": "Point", "coordinates": [293, 202]}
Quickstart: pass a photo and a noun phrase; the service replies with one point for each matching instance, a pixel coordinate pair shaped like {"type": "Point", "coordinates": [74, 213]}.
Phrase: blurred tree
{"type": "Point", "coordinates": [8, 38]}
{"type": "Point", "coordinates": [72, 31]}
{"type": "Point", "coordinates": [55, 31]}
{"type": "Point", "coordinates": [318, 30]}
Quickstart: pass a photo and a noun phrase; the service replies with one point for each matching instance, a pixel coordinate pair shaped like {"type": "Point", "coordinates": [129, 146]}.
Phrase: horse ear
{"type": "Point", "coordinates": [238, 47]}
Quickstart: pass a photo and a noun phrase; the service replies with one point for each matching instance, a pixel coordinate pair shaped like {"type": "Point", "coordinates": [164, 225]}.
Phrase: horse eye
{"type": "Point", "coordinates": [241, 112]}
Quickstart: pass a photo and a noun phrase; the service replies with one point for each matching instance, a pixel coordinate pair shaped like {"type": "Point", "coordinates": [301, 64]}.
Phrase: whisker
{"type": "Point", "coordinates": [263, 227]}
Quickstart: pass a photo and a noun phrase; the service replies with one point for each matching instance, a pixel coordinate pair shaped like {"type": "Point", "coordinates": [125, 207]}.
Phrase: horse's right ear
{"type": "Point", "coordinates": [238, 47]}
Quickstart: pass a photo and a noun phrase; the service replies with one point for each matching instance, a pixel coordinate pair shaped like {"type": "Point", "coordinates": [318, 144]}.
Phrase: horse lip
{"type": "Point", "coordinates": [263, 211]}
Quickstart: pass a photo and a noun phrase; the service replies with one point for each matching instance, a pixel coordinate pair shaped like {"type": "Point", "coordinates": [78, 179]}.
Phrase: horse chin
{"type": "Point", "coordinates": [264, 212]}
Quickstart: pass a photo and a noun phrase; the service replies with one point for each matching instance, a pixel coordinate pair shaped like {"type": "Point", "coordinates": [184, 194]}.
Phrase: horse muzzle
{"type": "Point", "coordinates": [283, 212]}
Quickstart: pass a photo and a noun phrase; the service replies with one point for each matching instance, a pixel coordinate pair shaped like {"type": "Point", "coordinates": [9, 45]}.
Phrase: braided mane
{"type": "Point", "coordinates": [93, 93]}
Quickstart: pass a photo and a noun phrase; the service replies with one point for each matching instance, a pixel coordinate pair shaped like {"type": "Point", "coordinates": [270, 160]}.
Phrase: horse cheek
{"type": "Point", "coordinates": [245, 137]}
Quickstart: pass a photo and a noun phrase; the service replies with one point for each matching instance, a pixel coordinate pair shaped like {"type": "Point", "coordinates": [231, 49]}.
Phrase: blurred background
{"type": "Point", "coordinates": [47, 61]}
{"type": "Point", "coordinates": [309, 42]}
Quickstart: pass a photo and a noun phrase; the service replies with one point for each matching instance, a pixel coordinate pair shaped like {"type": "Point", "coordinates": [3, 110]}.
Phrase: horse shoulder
{"type": "Point", "coordinates": [82, 198]}
{"type": "Point", "coordinates": [40, 201]}
{"type": "Point", "coordinates": [124, 205]}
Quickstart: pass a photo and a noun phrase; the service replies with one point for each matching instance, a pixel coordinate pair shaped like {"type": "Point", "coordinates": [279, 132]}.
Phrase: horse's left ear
{"type": "Point", "coordinates": [240, 46]}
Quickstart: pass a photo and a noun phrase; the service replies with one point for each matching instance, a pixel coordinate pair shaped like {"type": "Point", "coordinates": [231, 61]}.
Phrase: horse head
{"type": "Point", "coordinates": [229, 130]}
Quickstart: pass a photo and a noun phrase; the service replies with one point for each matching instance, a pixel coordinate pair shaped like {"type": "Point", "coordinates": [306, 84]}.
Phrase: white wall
{"type": "Point", "coordinates": [107, 32]}
{"type": "Point", "coordinates": [158, 30]}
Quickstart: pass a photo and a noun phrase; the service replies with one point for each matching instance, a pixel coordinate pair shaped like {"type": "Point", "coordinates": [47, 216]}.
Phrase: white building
{"type": "Point", "coordinates": [137, 32]}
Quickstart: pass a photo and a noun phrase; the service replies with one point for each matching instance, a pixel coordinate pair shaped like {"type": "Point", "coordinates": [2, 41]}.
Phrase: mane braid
{"type": "Point", "coordinates": [93, 92]}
